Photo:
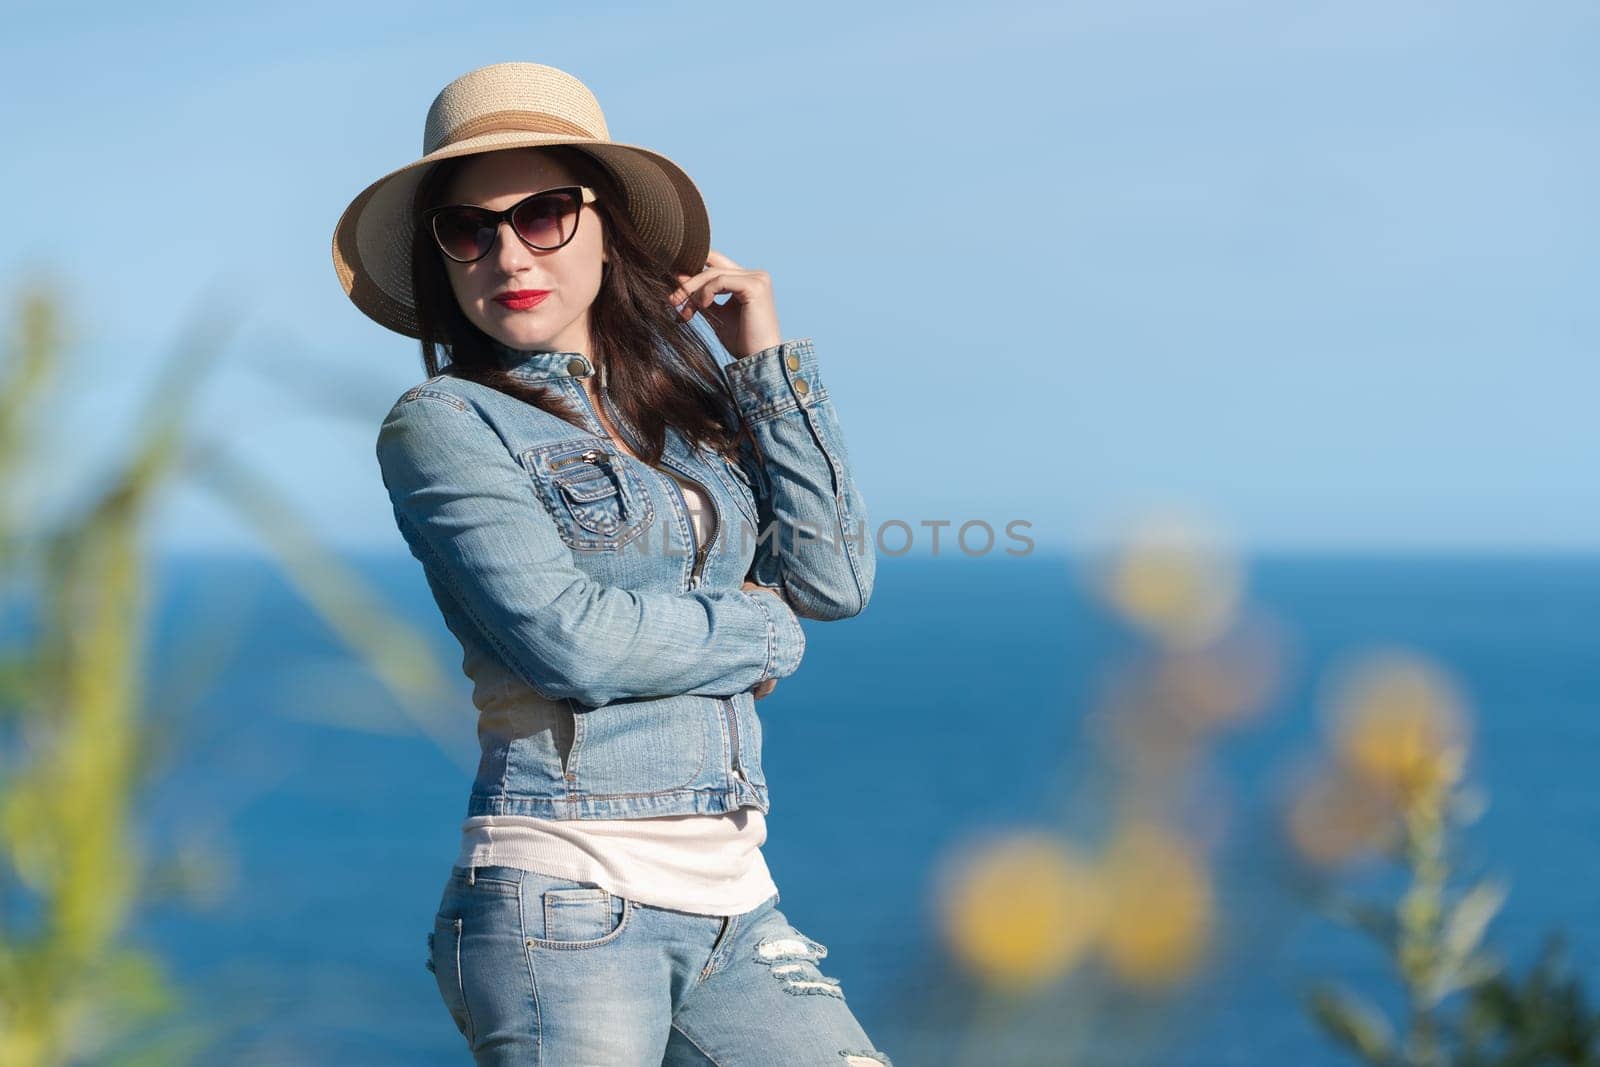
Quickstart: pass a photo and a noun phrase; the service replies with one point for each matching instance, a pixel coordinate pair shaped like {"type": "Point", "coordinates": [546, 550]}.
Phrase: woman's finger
{"type": "Point", "coordinates": [689, 290]}
{"type": "Point", "coordinates": [702, 291]}
{"type": "Point", "coordinates": [721, 278]}
{"type": "Point", "coordinates": [718, 282]}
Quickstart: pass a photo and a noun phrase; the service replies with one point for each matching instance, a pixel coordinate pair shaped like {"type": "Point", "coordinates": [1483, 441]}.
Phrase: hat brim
{"type": "Point", "coordinates": [373, 238]}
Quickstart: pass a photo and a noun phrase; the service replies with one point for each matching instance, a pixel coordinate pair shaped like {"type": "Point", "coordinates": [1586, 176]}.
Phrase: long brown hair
{"type": "Point", "coordinates": [659, 370]}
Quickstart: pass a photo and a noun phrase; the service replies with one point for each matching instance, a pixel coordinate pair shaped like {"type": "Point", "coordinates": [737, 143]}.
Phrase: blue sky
{"type": "Point", "coordinates": [1323, 272]}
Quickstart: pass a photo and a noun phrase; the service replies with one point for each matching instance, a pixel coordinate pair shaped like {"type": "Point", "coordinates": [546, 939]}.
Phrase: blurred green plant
{"type": "Point", "coordinates": [78, 735]}
{"type": "Point", "coordinates": [1402, 740]}
{"type": "Point", "coordinates": [1545, 1018]}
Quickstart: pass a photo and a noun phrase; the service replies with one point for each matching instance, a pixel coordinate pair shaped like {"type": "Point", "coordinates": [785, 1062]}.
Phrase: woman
{"type": "Point", "coordinates": [622, 535]}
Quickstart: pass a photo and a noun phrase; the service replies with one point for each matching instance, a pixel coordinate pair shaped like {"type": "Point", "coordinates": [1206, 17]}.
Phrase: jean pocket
{"type": "Point", "coordinates": [481, 881]}
{"type": "Point", "coordinates": [573, 914]}
{"type": "Point", "coordinates": [444, 956]}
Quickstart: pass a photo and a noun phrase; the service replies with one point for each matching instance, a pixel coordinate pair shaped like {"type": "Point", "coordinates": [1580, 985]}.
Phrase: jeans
{"type": "Point", "coordinates": [541, 969]}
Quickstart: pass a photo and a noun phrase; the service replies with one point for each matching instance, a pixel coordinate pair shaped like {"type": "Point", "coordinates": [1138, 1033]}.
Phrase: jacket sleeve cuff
{"type": "Point", "coordinates": [786, 641]}
{"type": "Point", "coordinates": [774, 380]}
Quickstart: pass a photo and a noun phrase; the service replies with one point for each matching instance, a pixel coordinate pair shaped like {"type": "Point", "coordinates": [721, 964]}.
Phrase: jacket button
{"type": "Point", "coordinates": [801, 387]}
{"type": "Point", "coordinates": [793, 361]}
{"type": "Point", "coordinates": [576, 367]}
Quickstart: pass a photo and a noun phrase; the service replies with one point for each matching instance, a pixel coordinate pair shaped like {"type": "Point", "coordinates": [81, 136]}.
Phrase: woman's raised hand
{"type": "Point", "coordinates": [747, 323]}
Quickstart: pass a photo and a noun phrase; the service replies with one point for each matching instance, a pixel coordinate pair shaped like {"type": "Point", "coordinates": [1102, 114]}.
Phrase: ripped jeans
{"type": "Point", "coordinates": [540, 969]}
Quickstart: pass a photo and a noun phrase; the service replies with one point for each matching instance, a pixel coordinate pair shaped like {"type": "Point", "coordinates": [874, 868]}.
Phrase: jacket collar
{"type": "Point", "coordinates": [543, 366]}
{"type": "Point", "coordinates": [539, 366]}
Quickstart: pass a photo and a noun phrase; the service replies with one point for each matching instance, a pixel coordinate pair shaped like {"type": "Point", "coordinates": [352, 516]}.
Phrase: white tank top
{"type": "Point", "coordinates": [705, 864]}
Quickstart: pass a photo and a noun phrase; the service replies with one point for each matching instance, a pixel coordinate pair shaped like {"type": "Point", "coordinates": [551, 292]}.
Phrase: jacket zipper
{"type": "Point", "coordinates": [588, 456]}
{"type": "Point", "coordinates": [701, 553]}
{"type": "Point", "coordinates": [694, 581]}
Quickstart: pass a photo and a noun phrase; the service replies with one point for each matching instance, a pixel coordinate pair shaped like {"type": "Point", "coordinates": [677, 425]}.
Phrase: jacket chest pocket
{"type": "Point", "coordinates": [596, 501]}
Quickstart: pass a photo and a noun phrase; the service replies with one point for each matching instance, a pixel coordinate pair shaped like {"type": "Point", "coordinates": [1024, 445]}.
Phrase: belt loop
{"type": "Point", "coordinates": [472, 874]}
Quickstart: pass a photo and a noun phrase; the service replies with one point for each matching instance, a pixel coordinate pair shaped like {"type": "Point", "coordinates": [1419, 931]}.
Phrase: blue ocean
{"type": "Point", "coordinates": [955, 706]}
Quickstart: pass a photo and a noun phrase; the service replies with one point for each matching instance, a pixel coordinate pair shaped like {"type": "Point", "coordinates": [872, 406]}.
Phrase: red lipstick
{"type": "Point", "coordinates": [522, 299]}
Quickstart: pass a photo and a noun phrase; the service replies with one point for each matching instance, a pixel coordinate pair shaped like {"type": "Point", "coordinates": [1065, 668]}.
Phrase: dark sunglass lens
{"type": "Point", "coordinates": [547, 220]}
{"type": "Point", "coordinates": [464, 235]}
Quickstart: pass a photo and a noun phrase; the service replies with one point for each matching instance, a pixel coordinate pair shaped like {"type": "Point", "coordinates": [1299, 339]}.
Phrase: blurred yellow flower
{"type": "Point", "coordinates": [1398, 723]}
{"type": "Point", "coordinates": [1159, 905]}
{"type": "Point", "coordinates": [1019, 910]}
{"type": "Point", "coordinates": [1173, 577]}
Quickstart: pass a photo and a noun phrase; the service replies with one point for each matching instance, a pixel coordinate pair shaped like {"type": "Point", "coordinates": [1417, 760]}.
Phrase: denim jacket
{"type": "Point", "coordinates": [611, 655]}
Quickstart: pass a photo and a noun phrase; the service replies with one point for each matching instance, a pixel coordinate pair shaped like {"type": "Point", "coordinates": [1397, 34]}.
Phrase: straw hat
{"type": "Point", "coordinates": [509, 105]}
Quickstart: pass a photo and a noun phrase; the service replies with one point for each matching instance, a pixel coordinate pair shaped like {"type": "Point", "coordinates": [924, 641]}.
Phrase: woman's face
{"type": "Point", "coordinates": [571, 273]}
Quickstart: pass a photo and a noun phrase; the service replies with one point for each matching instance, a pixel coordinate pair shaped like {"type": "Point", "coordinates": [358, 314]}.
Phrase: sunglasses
{"type": "Point", "coordinates": [543, 221]}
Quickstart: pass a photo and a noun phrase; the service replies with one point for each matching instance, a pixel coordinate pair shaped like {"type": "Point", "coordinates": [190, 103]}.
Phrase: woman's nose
{"type": "Point", "coordinates": [511, 255]}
